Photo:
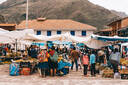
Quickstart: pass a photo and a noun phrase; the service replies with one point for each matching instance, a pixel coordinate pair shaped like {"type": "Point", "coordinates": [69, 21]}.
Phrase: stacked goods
{"type": "Point", "coordinates": [124, 72]}
{"type": "Point", "coordinates": [108, 73]}
{"type": "Point", "coordinates": [6, 62]}
{"type": "Point", "coordinates": [25, 71]}
{"type": "Point", "coordinates": [25, 68]}
{"type": "Point", "coordinates": [124, 61]}
{"type": "Point", "coordinates": [124, 76]}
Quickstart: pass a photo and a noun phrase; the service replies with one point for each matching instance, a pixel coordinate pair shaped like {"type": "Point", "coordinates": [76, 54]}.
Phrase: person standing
{"type": "Point", "coordinates": [53, 61]}
{"type": "Point", "coordinates": [43, 62]}
{"type": "Point", "coordinates": [115, 60]}
{"type": "Point", "coordinates": [74, 57]}
{"type": "Point", "coordinates": [85, 61]}
{"type": "Point", "coordinates": [92, 63]}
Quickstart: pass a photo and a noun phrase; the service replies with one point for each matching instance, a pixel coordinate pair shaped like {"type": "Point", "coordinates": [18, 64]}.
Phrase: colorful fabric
{"type": "Point", "coordinates": [42, 57]}
{"type": "Point", "coordinates": [62, 64]}
{"type": "Point", "coordinates": [14, 69]}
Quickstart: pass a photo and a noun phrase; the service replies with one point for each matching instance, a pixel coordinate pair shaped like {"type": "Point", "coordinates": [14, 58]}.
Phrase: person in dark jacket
{"type": "Point", "coordinates": [34, 52]}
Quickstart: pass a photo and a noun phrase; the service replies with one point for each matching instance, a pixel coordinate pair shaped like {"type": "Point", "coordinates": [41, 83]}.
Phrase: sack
{"type": "Point", "coordinates": [25, 71]}
{"type": "Point", "coordinates": [25, 65]}
{"type": "Point", "coordinates": [54, 58]}
{"type": "Point", "coordinates": [117, 76]}
{"type": "Point", "coordinates": [14, 69]}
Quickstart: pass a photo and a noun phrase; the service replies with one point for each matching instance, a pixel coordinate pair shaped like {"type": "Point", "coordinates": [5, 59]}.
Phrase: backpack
{"type": "Point", "coordinates": [14, 69]}
{"type": "Point", "coordinates": [54, 58]}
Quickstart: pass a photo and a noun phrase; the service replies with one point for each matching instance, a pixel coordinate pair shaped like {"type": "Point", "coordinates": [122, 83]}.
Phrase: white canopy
{"type": "Point", "coordinates": [10, 37]}
{"type": "Point", "coordinates": [96, 44]}
{"type": "Point", "coordinates": [33, 38]}
{"type": "Point", "coordinates": [3, 31]}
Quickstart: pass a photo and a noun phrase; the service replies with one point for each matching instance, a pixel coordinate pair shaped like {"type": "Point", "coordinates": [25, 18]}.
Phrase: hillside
{"type": "Point", "coordinates": [79, 10]}
{"type": "Point", "coordinates": [2, 19]}
{"type": "Point", "coordinates": [121, 14]}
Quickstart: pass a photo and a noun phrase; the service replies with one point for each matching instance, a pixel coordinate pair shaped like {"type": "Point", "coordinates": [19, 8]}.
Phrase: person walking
{"type": "Point", "coordinates": [85, 61]}
{"type": "Point", "coordinates": [74, 57]}
{"type": "Point", "coordinates": [92, 63]}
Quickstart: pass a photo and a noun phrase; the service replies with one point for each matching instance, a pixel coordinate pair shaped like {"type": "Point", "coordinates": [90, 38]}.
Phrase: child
{"type": "Point", "coordinates": [85, 61]}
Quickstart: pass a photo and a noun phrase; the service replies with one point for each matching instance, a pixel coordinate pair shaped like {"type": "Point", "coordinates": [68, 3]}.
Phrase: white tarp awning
{"type": "Point", "coordinates": [96, 44]}
{"type": "Point", "coordinates": [10, 37]}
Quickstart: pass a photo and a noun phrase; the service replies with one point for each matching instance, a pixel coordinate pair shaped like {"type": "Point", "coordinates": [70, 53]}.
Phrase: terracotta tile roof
{"type": "Point", "coordinates": [105, 30]}
{"type": "Point", "coordinates": [7, 24]}
{"type": "Point", "coordinates": [55, 24]}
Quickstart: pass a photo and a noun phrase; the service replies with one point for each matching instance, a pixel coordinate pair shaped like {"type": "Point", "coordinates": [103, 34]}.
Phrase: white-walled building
{"type": "Point", "coordinates": [51, 27]}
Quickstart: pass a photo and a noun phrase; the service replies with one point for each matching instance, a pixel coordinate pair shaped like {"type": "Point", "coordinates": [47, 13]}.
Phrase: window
{"type": "Point", "coordinates": [38, 32]}
{"type": "Point", "coordinates": [72, 33]}
{"type": "Point", "coordinates": [83, 33]}
{"type": "Point", "coordinates": [58, 32]}
{"type": "Point", "coordinates": [49, 33]}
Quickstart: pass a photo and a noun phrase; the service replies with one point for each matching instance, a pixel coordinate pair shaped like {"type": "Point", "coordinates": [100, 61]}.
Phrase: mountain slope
{"type": "Point", "coordinates": [79, 10]}
{"type": "Point", "coordinates": [121, 14]}
{"type": "Point", "coordinates": [2, 19]}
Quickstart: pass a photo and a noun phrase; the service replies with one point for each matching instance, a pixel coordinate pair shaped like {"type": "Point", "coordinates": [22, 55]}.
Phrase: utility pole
{"type": "Point", "coordinates": [27, 15]}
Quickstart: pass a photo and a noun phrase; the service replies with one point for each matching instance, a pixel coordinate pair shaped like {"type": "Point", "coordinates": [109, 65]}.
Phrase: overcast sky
{"type": "Point", "coordinates": [118, 5]}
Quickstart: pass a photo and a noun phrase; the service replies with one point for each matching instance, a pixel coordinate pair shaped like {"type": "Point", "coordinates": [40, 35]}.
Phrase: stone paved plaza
{"type": "Point", "coordinates": [74, 78]}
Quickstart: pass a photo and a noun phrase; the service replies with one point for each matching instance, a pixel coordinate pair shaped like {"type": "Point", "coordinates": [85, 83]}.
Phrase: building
{"type": "Point", "coordinates": [9, 27]}
{"type": "Point", "coordinates": [51, 27]}
{"type": "Point", "coordinates": [123, 32]}
{"type": "Point", "coordinates": [118, 25]}
{"type": "Point", "coordinates": [105, 32]}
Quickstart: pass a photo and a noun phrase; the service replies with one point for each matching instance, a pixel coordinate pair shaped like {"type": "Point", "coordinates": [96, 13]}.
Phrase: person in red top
{"type": "Point", "coordinates": [85, 62]}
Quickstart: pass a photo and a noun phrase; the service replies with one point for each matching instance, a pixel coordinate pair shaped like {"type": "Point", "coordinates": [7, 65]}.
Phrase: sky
{"type": "Point", "coordinates": [118, 5]}
{"type": "Point", "coordinates": [2, 1]}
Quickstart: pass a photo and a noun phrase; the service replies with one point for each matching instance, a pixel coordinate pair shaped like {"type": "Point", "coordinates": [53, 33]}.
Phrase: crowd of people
{"type": "Point", "coordinates": [81, 57]}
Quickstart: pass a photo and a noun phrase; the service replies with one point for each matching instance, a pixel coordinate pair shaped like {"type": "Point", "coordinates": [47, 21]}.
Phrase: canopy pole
{"type": "Point", "coordinates": [27, 15]}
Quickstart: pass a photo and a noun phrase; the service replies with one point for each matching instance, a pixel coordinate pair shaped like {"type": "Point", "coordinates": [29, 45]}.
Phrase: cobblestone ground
{"type": "Point", "coordinates": [74, 78]}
